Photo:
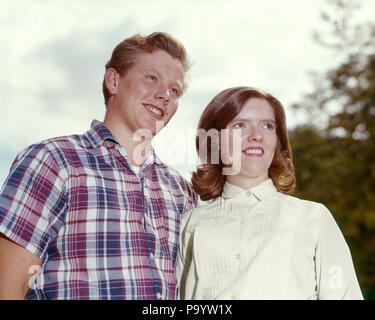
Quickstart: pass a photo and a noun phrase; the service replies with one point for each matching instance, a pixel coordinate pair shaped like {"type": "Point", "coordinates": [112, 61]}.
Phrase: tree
{"type": "Point", "coordinates": [335, 163]}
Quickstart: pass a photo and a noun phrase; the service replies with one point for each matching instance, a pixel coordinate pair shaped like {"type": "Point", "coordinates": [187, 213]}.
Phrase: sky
{"type": "Point", "coordinates": [53, 52]}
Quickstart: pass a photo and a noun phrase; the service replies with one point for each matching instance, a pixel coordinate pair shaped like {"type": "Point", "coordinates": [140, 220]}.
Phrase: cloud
{"type": "Point", "coordinates": [55, 51]}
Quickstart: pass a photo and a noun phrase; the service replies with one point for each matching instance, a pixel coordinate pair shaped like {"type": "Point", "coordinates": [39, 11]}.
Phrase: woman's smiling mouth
{"type": "Point", "coordinates": [254, 151]}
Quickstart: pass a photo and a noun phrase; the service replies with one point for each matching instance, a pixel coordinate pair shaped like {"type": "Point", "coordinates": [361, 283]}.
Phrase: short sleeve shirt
{"type": "Point", "coordinates": [101, 230]}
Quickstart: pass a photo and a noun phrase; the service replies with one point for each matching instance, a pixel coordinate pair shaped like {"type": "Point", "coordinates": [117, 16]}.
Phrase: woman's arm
{"type": "Point", "coordinates": [336, 277]}
{"type": "Point", "coordinates": [185, 264]}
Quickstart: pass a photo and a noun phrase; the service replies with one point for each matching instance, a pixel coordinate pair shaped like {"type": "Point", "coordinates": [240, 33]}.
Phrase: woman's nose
{"type": "Point", "coordinates": [254, 134]}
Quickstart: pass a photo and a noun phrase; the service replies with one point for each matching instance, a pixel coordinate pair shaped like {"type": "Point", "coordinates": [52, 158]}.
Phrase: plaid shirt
{"type": "Point", "coordinates": [101, 231]}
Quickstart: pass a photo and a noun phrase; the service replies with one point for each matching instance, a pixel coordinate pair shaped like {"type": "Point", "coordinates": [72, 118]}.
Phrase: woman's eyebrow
{"type": "Point", "coordinates": [247, 119]}
{"type": "Point", "coordinates": [268, 120]}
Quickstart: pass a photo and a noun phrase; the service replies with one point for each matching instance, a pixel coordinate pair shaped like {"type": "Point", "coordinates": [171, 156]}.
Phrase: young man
{"type": "Point", "coordinates": [97, 216]}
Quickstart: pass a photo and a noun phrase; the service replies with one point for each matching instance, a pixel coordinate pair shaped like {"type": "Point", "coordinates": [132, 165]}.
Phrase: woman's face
{"type": "Point", "coordinates": [253, 139]}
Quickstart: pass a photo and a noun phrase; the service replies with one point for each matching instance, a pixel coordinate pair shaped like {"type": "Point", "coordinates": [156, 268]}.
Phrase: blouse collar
{"type": "Point", "coordinates": [262, 191]}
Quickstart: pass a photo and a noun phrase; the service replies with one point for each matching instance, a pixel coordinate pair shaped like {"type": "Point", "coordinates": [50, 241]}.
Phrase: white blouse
{"type": "Point", "coordinates": [262, 244]}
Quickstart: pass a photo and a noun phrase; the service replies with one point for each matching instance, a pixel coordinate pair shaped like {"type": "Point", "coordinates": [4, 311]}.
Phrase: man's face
{"type": "Point", "coordinates": [149, 92]}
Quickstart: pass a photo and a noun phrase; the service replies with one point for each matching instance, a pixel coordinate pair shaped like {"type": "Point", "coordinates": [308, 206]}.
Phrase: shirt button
{"type": "Point", "coordinates": [151, 255]}
{"type": "Point", "coordinates": [158, 295]}
{"type": "Point", "coordinates": [233, 298]}
{"type": "Point", "coordinates": [248, 193]}
{"type": "Point", "coordinates": [238, 256]}
{"type": "Point", "coordinates": [242, 221]}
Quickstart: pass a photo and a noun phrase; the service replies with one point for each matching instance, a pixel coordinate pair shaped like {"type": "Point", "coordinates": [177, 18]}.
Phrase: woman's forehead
{"type": "Point", "coordinates": [256, 108]}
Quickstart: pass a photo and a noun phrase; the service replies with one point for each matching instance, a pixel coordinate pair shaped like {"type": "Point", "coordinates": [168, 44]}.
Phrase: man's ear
{"type": "Point", "coordinates": [111, 79]}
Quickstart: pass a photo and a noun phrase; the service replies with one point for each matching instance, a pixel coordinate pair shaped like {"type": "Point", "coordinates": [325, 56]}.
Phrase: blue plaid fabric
{"type": "Point", "coordinates": [102, 231]}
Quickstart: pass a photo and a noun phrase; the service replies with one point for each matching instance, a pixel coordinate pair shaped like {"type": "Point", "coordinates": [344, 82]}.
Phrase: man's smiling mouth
{"type": "Point", "coordinates": [154, 110]}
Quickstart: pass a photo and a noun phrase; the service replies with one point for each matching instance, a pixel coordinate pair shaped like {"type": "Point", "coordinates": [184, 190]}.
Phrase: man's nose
{"type": "Point", "coordinates": [162, 93]}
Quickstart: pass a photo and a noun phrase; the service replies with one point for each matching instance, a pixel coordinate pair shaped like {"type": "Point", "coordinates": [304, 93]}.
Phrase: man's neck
{"type": "Point", "coordinates": [136, 146]}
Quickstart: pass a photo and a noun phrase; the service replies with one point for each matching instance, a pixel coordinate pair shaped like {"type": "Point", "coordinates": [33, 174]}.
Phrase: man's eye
{"type": "Point", "coordinates": [151, 77]}
{"type": "Point", "coordinates": [174, 90]}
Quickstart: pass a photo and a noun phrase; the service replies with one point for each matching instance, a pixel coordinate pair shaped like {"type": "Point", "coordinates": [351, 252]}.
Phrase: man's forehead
{"type": "Point", "coordinates": [163, 63]}
{"type": "Point", "coordinates": [159, 58]}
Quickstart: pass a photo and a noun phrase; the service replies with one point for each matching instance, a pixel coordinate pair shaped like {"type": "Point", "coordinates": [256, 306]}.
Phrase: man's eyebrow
{"type": "Point", "coordinates": [148, 70]}
{"type": "Point", "coordinates": [182, 85]}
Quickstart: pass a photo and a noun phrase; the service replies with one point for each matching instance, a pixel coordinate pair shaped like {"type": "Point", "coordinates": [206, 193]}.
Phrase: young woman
{"type": "Point", "coordinates": [253, 240]}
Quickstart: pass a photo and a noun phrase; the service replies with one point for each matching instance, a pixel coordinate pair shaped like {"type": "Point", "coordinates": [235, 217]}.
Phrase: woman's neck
{"type": "Point", "coordinates": [246, 182]}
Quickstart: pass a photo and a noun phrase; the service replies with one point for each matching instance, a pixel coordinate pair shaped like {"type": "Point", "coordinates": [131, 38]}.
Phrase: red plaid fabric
{"type": "Point", "coordinates": [102, 231]}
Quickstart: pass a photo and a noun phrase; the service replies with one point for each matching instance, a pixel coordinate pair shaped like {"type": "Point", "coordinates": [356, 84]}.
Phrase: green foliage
{"type": "Point", "coordinates": [337, 172]}
{"type": "Point", "coordinates": [335, 163]}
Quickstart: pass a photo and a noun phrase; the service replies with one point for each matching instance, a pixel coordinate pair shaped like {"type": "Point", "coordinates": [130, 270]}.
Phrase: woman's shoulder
{"type": "Point", "coordinates": [191, 218]}
{"type": "Point", "coordinates": [295, 200]}
{"type": "Point", "coordinates": [311, 216]}
{"type": "Point", "coordinates": [304, 206]}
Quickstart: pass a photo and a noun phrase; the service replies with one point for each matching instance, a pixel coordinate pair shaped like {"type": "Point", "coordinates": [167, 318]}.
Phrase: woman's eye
{"type": "Point", "coordinates": [268, 126]}
{"type": "Point", "coordinates": [238, 125]}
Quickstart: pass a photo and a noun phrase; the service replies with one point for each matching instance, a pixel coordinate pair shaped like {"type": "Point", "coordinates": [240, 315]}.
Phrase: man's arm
{"type": "Point", "coordinates": [15, 262]}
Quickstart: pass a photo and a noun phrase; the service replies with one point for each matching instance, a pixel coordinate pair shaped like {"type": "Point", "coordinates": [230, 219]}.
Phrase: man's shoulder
{"type": "Point", "coordinates": [68, 142]}
{"type": "Point", "coordinates": [173, 174]}
{"type": "Point", "coordinates": [171, 171]}
{"type": "Point", "coordinates": [58, 149]}
{"type": "Point", "coordinates": [176, 180]}
{"type": "Point", "coordinates": [64, 145]}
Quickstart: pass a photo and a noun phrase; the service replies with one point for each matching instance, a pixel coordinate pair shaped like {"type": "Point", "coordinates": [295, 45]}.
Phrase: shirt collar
{"type": "Point", "coordinates": [262, 191]}
{"type": "Point", "coordinates": [151, 158]}
{"type": "Point", "coordinates": [99, 133]}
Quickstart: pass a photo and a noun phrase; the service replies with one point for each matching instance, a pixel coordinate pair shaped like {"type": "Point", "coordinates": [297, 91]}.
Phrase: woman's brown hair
{"type": "Point", "coordinates": [208, 180]}
{"type": "Point", "coordinates": [125, 55]}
